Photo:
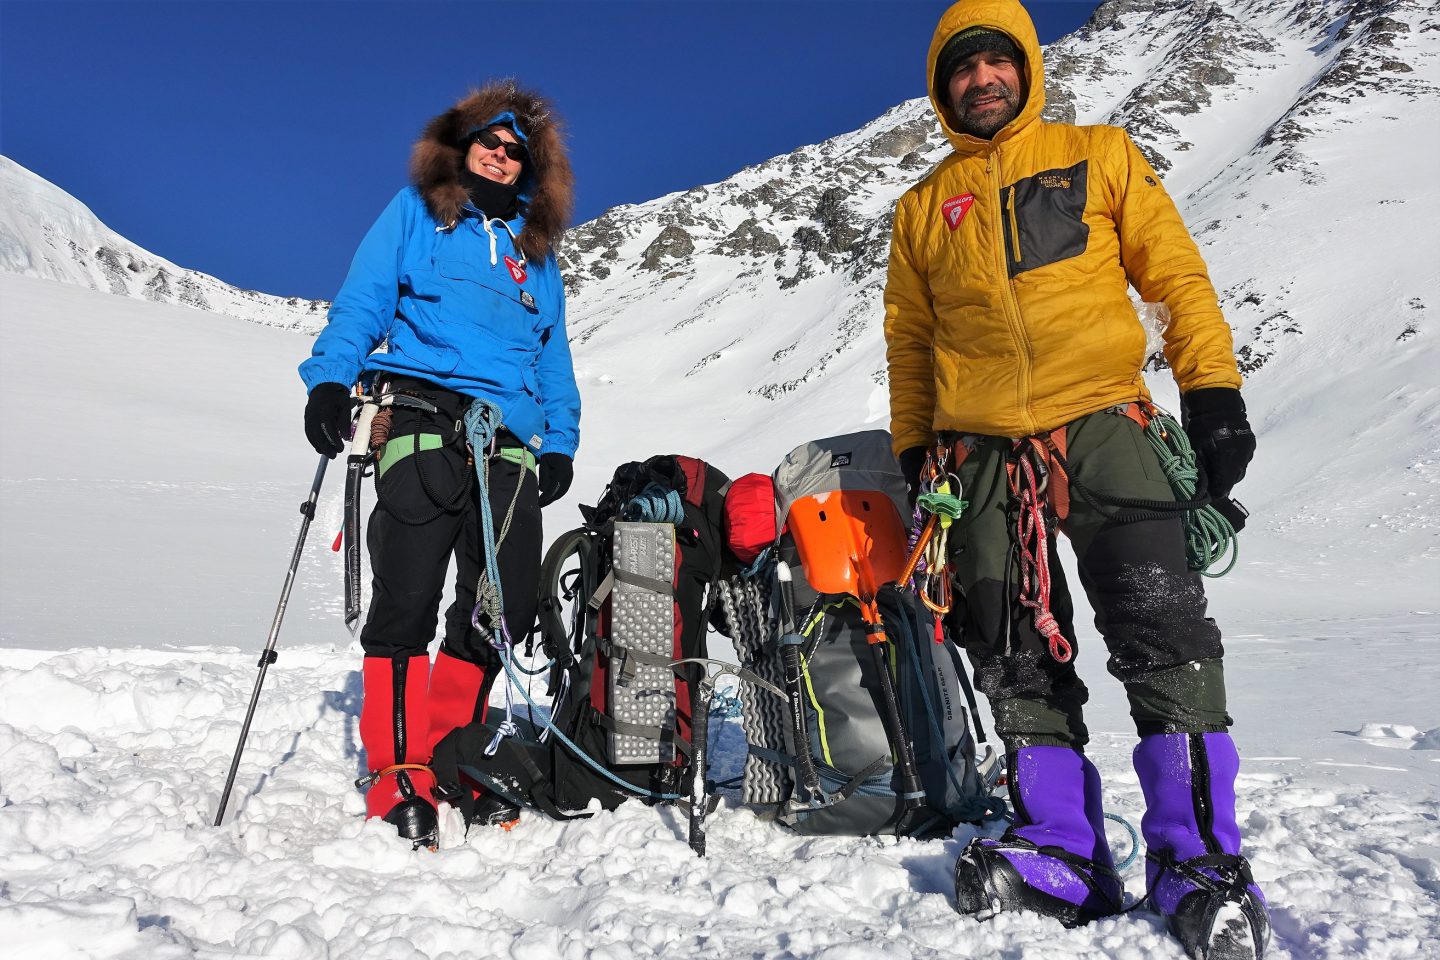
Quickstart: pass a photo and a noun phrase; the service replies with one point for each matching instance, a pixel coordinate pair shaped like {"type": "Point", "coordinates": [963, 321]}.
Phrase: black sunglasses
{"type": "Point", "coordinates": [489, 139]}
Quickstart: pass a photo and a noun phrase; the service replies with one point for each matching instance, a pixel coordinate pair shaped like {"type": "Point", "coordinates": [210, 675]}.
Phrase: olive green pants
{"type": "Point", "coordinates": [1149, 607]}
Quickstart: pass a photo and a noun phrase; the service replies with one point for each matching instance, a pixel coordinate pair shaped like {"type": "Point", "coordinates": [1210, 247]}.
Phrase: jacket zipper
{"type": "Point", "coordinates": [1012, 305]}
{"type": "Point", "coordinates": [1014, 227]}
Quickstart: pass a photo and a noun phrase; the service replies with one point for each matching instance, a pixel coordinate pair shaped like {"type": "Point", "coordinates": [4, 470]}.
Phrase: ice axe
{"type": "Point", "coordinates": [853, 542]}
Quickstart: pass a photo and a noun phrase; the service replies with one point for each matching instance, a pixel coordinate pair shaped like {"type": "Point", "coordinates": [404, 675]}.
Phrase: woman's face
{"type": "Point", "coordinates": [494, 164]}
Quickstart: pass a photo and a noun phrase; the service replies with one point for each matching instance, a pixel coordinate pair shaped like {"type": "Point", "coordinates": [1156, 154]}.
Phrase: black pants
{"type": "Point", "coordinates": [1149, 606]}
{"type": "Point", "coordinates": [428, 509]}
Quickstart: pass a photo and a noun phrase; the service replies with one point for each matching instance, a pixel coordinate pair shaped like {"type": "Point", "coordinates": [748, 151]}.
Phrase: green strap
{"type": "Point", "coordinates": [521, 456]}
{"type": "Point", "coordinates": [398, 448]}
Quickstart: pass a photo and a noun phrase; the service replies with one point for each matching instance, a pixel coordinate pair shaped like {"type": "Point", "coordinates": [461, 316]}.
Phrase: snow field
{"type": "Point", "coordinates": [151, 462]}
{"type": "Point", "coordinates": [111, 764]}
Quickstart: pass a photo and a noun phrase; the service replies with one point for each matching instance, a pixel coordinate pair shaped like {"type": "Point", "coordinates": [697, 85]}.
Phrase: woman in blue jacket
{"type": "Point", "coordinates": [457, 278]}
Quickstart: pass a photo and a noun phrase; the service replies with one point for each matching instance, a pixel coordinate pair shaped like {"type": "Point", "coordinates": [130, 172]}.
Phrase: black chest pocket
{"type": "Point", "coordinates": [1044, 218]}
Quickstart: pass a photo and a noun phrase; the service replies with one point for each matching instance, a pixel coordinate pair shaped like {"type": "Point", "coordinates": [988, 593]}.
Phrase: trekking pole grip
{"type": "Point", "coordinates": [268, 655]}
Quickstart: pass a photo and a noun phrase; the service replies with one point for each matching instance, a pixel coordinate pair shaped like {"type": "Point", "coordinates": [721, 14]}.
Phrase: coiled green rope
{"type": "Point", "coordinates": [1208, 535]}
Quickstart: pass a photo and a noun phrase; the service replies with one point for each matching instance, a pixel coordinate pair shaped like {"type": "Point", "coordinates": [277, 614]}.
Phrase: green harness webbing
{"type": "Point", "coordinates": [398, 448]}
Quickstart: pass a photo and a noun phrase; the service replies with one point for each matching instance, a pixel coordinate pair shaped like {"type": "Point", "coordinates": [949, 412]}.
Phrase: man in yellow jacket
{"type": "Point", "coordinates": [1015, 354]}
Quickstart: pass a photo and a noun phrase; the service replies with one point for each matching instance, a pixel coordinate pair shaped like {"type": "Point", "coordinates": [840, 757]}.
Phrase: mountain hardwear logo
{"type": "Point", "coordinates": [956, 207]}
{"type": "Point", "coordinates": [517, 270]}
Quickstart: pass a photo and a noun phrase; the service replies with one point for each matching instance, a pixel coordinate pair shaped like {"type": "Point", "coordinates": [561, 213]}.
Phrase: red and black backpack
{"type": "Point", "coordinates": [624, 636]}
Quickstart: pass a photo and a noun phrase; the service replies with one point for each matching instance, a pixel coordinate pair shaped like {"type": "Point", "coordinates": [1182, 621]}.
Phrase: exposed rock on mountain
{"type": "Point", "coordinates": [773, 278]}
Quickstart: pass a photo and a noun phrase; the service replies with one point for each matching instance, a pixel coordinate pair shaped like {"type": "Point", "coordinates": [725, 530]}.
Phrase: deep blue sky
{"type": "Point", "coordinates": [257, 141]}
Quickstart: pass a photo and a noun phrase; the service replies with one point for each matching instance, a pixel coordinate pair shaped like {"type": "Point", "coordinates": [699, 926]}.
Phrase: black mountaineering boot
{"type": "Point", "coordinates": [492, 810]}
{"type": "Point", "coordinates": [1054, 860]}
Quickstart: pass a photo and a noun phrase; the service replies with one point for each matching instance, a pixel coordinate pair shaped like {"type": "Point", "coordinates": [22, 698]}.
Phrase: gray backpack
{"type": "Point", "coordinates": [832, 757]}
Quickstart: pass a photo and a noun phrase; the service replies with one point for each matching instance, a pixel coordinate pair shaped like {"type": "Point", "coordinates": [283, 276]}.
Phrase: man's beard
{"type": "Point", "coordinates": [986, 123]}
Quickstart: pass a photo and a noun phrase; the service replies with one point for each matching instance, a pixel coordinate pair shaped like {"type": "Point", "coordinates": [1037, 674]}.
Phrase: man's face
{"type": "Point", "coordinates": [986, 92]}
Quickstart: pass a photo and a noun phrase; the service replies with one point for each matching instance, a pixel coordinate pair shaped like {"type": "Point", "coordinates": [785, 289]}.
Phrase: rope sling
{"type": "Point", "coordinates": [482, 424]}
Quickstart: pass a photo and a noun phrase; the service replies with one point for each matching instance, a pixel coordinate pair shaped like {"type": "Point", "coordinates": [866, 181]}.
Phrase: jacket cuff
{"type": "Point", "coordinates": [554, 445]}
{"type": "Point", "coordinates": [312, 374]}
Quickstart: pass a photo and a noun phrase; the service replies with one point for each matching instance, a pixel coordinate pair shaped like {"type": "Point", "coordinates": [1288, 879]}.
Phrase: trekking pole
{"type": "Point", "coordinates": [268, 656]}
{"type": "Point", "coordinates": [913, 795]}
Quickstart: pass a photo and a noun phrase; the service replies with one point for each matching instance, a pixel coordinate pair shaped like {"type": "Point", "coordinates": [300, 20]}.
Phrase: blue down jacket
{"type": "Point", "coordinates": [461, 306]}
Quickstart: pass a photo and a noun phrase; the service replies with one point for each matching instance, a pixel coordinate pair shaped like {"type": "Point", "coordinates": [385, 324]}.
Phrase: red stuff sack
{"type": "Point", "coordinates": [750, 516]}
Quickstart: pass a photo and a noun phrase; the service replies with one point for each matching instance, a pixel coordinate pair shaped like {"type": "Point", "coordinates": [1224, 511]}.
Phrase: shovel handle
{"type": "Point", "coordinates": [920, 544]}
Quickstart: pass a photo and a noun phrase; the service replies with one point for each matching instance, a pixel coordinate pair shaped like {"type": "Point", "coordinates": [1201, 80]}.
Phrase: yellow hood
{"type": "Point", "coordinates": [1009, 17]}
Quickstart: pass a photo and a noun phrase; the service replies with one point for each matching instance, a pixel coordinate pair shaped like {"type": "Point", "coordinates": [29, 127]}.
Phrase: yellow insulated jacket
{"type": "Point", "coordinates": [1006, 307]}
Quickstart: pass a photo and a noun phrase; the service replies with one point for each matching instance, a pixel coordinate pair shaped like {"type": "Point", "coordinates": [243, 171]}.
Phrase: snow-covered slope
{"type": "Point", "coordinates": [167, 525]}
{"type": "Point", "coordinates": [46, 233]}
{"type": "Point", "coordinates": [144, 504]}
{"type": "Point", "coordinates": [1299, 140]}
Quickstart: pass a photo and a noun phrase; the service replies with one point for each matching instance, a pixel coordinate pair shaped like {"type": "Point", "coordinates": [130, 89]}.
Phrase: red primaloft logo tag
{"type": "Point", "coordinates": [956, 207]}
{"type": "Point", "coordinates": [517, 270]}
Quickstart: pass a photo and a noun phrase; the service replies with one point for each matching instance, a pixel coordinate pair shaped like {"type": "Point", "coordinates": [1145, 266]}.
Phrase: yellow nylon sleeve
{"type": "Point", "coordinates": [1164, 265]}
{"type": "Point", "coordinates": [909, 335]}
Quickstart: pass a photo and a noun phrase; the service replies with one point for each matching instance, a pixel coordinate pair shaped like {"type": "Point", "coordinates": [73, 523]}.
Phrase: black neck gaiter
{"type": "Point", "coordinates": [495, 200]}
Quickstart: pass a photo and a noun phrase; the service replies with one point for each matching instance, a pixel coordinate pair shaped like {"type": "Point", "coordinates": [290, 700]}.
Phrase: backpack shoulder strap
{"type": "Point", "coordinates": [579, 542]}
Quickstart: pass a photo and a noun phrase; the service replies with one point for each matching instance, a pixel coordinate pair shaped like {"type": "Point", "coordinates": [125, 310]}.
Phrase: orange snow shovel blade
{"type": "Point", "coordinates": [850, 541]}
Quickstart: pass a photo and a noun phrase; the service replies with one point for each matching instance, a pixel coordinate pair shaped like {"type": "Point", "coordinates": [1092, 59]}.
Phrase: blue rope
{"type": "Point", "coordinates": [482, 422]}
{"type": "Point", "coordinates": [755, 565]}
{"type": "Point", "coordinates": [1134, 841]}
{"type": "Point", "coordinates": [726, 706]}
{"type": "Point", "coordinates": [505, 658]}
{"type": "Point", "coordinates": [654, 504]}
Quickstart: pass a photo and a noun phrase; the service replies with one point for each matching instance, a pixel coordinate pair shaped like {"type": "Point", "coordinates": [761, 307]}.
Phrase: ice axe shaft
{"type": "Point", "coordinates": [699, 760]}
{"type": "Point", "coordinates": [268, 655]}
{"type": "Point", "coordinates": [355, 466]}
{"type": "Point", "coordinates": [790, 663]}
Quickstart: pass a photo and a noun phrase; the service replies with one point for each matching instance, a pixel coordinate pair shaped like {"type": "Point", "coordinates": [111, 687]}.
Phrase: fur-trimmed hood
{"type": "Point", "coordinates": [547, 187]}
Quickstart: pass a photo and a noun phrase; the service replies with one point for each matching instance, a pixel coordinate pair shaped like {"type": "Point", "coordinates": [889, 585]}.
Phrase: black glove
{"type": "Point", "coordinates": [1214, 419]}
{"type": "Point", "coordinates": [912, 461]}
{"type": "Point", "coordinates": [327, 418]}
{"type": "Point", "coordinates": [556, 472]}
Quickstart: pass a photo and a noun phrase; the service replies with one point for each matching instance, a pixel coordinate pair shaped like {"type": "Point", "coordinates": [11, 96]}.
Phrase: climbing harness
{"type": "Point", "coordinates": [369, 435]}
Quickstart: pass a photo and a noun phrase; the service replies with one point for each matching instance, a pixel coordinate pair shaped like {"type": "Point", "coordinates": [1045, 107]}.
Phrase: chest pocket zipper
{"type": "Point", "coordinates": [1014, 227]}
